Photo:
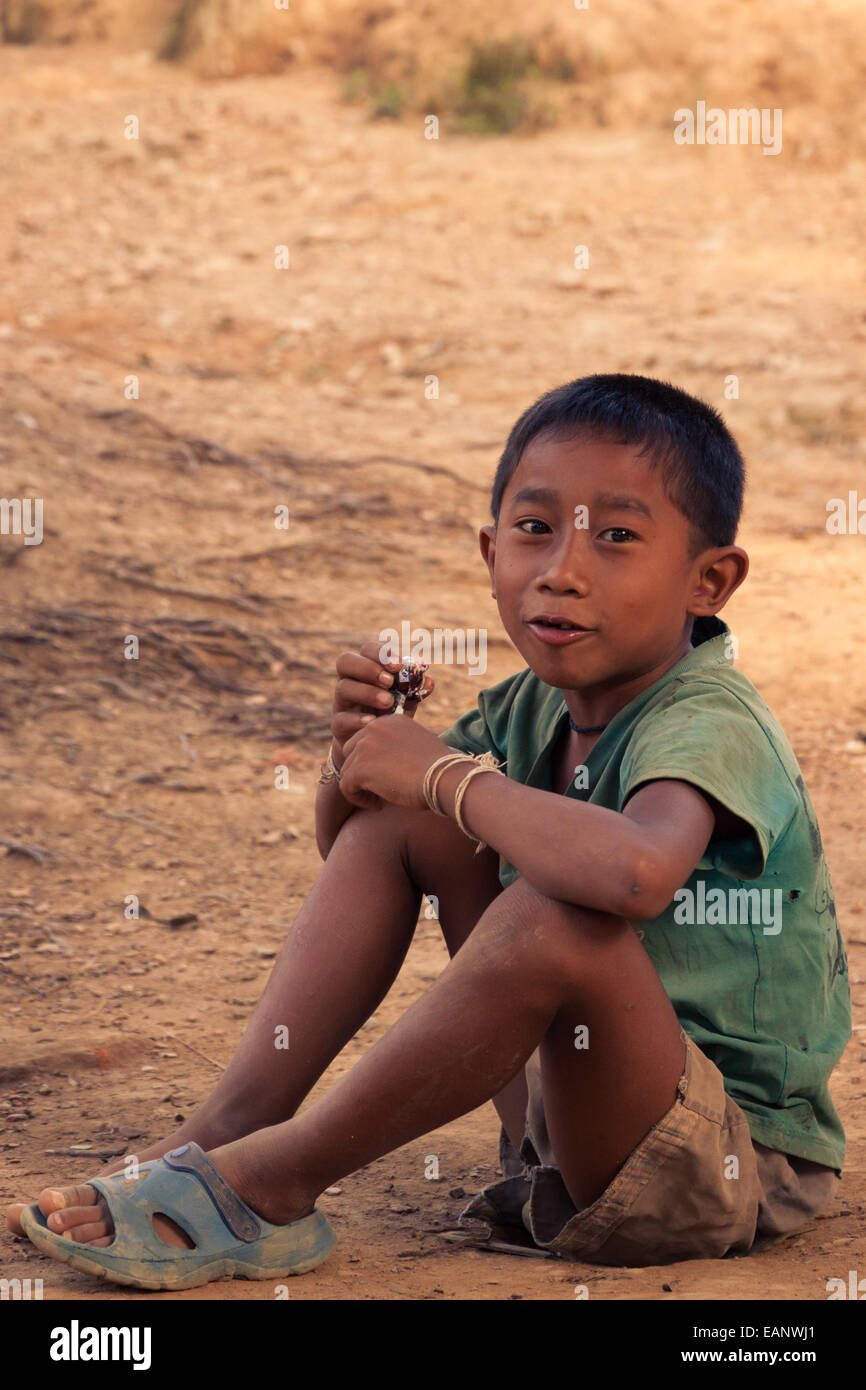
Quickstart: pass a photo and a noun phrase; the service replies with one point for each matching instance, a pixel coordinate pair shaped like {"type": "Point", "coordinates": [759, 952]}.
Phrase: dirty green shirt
{"type": "Point", "coordinates": [758, 981]}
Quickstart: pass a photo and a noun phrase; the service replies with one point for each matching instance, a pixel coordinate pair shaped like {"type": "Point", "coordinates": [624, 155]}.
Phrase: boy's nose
{"type": "Point", "coordinates": [567, 570]}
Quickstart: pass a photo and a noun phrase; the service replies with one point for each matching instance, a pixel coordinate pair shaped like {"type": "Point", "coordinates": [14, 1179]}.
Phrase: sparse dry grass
{"type": "Point", "coordinates": [607, 66]}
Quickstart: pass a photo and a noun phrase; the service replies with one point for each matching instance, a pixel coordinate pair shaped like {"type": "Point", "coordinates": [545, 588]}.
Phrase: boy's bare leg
{"type": "Point", "coordinates": [339, 960]}
{"type": "Point", "coordinates": [531, 972]}
{"type": "Point", "coordinates": [341, 957]}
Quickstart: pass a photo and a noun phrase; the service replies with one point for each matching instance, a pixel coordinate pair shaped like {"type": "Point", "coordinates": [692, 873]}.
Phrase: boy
{"type": "Point", "coordinates": [663, 1090]}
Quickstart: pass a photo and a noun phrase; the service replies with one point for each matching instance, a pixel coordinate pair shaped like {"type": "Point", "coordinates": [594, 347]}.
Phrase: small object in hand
{"type": "Point", "coordinates": [408, 685]}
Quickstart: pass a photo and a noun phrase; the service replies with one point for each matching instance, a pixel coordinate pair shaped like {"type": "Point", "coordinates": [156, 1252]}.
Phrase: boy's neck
{"type": "Point", "coordinates": [597, 705]}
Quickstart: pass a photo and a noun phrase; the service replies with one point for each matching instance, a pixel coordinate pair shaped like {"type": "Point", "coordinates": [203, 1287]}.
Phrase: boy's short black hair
{"type": "Point", "coordinates": [702, 467]}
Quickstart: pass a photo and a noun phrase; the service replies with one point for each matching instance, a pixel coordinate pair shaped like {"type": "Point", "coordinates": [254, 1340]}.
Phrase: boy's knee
{"type": "Point", "coordinates": [537, 921]}
{"type": "Point", "coordinates": [371, 827]}
{"type": "Point", "coordinates": [531, 905]}
{"type": "Point", "coordinates": [427, 845]}
{"type": "Point", "coordinates": [368, 820]}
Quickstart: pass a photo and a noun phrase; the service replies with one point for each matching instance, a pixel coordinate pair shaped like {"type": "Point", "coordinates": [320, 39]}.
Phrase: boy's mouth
{"type": "Point", "coordinates": [556, 630]}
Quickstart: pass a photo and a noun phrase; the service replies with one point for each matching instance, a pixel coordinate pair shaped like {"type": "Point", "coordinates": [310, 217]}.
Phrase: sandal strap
{"type": "Point", "coordinates": [191, 1158]}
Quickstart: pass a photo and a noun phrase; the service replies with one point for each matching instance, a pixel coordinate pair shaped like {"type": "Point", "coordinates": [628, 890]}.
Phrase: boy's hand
{"type": "Point", "coordinates": [361, 694]}
{"type": "Point", "coordinates": [386, 761]}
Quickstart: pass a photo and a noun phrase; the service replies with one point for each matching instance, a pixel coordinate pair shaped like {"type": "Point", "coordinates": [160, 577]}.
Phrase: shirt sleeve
{"type": "Point", "coordinates": [705, 735]}
{"type": "Point", "coordinates": [485, 728]}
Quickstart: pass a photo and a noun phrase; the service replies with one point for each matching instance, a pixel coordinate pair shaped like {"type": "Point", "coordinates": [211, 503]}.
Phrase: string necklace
{"type": "Point", "coordinates": [586, 728]}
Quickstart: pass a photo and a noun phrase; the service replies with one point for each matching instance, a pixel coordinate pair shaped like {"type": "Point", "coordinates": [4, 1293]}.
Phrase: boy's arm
{"type": "Point", "coordinates": [629, 863]}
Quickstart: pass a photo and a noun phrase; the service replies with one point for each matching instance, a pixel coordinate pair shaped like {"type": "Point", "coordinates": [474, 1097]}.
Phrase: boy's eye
{"type": "Point", "coordinates": [619, 534]}
{"type": "Point", "coordinates": [531, 521]}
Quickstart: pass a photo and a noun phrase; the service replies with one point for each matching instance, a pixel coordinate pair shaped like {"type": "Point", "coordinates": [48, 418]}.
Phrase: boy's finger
{"type": "Point", "coordinates": [349, 747]}
{"type": "Point", "coordinates": [358, 796]}
{"type": "Point", "coordinates": [347, 723]}
{"type": "Point", "coordinates": [364, 667]}
{"type": "Point", "coordinates": [375, 651]}
{"type": "Point", "coordinates": [349, 693]}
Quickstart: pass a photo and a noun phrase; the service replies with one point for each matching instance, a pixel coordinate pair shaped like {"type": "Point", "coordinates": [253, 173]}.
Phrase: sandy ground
{"type": "Point", "coordinates": [306, 387]}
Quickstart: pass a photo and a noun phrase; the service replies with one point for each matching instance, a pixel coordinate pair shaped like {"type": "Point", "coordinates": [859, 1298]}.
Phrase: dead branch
{"type": "Point", "coordinates": [436, 469]}
{"type": "Point", "coordinates": [250, 603]}
{"type": "Point", "coordinates": [275, 721]}
{"type": "Point", "coordinates": [31, 851]}
{"type": "Point", "coordinates": [205, 1058]}
{"type": "Point", "coordinates": [139, 820]}
{"type": "Point", "coordinates": [121, 688]}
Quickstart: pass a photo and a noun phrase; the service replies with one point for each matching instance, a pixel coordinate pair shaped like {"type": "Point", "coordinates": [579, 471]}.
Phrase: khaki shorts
{"type": "Point", "coordinates": [671, 1199]}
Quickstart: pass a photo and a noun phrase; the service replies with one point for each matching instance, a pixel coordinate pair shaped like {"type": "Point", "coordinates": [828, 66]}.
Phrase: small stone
{"type": "Point", "coordinates": [392, 356]}
{"type": "Point", "coordinates": [456, 1192]}
{"type": "Point", "coordinates": [568, 280]}
{"type": "Point", "coordinates": [333, 1191]}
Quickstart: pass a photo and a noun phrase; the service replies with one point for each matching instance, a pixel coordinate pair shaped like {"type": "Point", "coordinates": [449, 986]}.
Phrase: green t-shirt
{"type": "Point", "coordinates": [758, 981]}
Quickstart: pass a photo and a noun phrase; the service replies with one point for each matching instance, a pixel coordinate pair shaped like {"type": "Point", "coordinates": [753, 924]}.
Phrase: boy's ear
{"type": "Point", "coordinates": [487, 542]}
{"type": "Point", "coordinates": [721, 572]}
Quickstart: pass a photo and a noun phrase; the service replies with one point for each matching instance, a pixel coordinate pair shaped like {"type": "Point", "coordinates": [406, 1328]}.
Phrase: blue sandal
{"type": "Point", "coordinates": [231, 1241]}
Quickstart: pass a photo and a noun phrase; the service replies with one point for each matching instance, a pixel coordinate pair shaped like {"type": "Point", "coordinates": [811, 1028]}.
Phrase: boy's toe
{"type": "Point", "coordinates": [78, 1213]}
{"type": "Point", "coordinates": [52, 1199]}
{"type": "Point", "coordinates": [13, 1218]}
{"type": "Point", "coordinates": [89, 1233]}
{"type": "Point", "coordinates": [74, 1221]}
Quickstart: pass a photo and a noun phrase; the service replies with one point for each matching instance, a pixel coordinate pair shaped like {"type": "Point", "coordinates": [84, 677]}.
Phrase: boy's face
{"type": "Point", "coordinates": [622, 568]}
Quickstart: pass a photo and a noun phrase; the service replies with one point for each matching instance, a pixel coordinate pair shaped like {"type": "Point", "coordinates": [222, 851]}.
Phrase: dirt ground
{"type": "Point", "coordinates": [154, 259]}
